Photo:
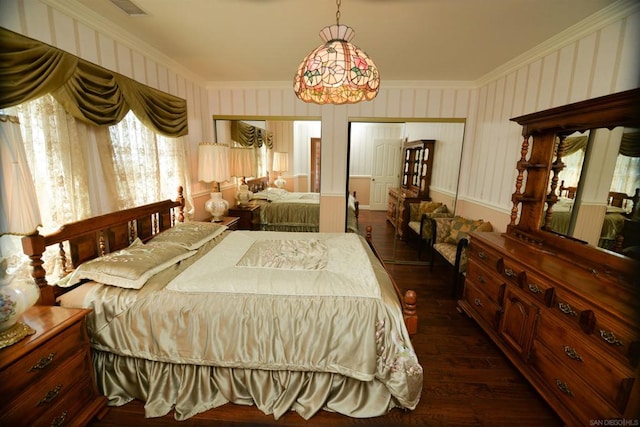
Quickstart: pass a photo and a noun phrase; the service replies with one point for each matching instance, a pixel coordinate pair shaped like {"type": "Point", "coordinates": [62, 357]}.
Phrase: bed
{"type": "Point", "coordinates": [282, 210]}
{"type": "Point", "coordinates": [250, 317]}
{"type": "Point", "coordinates": [612, 224]}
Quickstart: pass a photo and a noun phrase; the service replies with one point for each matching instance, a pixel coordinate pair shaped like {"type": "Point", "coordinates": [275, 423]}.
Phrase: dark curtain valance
{"type": "Point", "coordinates": [250, 136]}
{"type": "Point", "coordinates": [630, 144]}
{"type": "Point", "coordinates": [93, 94]}
{"type": "Point", "coordinates": [572, 144]}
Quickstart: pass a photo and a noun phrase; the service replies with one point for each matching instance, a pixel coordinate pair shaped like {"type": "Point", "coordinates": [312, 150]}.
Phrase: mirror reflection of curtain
{"type": "Point", "coordinates": [572, 152]}
{"type": "Point", "coordinates": [626, 176]}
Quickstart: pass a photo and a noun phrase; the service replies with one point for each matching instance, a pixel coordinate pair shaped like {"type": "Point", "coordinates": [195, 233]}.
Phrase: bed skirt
{"type": "Point", "coordinates": [191, 389]}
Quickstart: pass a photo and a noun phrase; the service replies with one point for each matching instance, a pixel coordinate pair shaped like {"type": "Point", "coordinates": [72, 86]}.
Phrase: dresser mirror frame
{"type": "Point", "coordinates": [540, 131]}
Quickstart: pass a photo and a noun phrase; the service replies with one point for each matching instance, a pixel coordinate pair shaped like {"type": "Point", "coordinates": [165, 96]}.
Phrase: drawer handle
{"type": "Point", "coordinates": [478, 302]}
{"type": "Point", "coordinates": [534, 288]}
{"type": "Point", "coordinates": [572, 353]}
{"type": "Point", "coordinates": [43, 362]}
{"type": "Point", "coordinates": [610, 338]}
{"type": "Point", "coordinates": [59, 420]}
{"type": "Point", "coordinates": [566, 309]}
{"type": "Point", "coordinates": [509, 272]}
{"type": "Point", "coordinates": [482, 255]}
{"type": "Point", "coordinates": [481, 279]}
{"type": "Point", "coordinates": [51, 394]}
{"type": "Point", "coordinates": [564, 387]}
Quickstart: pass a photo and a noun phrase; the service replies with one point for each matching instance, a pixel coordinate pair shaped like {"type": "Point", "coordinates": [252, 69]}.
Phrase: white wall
{"type": "Point", "coordinates": [598, 57]}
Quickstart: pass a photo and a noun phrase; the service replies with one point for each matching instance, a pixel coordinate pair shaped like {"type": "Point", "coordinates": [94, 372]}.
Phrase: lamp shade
{"type": "Point", "coordinates": [280, 162]}
{"type": "Point", "coordinates": [213, 162]}
{"type": "Point", "coordinates": [243, 162]}
{"type": "Point", "coordinates": [336, 72]}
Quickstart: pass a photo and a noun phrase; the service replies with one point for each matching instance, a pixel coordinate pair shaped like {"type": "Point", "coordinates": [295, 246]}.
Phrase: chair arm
{"type": "Point", "coordinates": [462, 246]}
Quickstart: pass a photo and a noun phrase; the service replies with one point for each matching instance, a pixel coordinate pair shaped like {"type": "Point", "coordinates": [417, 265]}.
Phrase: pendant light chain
{"type": "Point", "coordinates": [338, 2]}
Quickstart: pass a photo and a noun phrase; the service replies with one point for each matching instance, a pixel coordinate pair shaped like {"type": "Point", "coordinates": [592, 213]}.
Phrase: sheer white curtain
{"type": "Point", "coordinates": [56, 151]}
{"type": "Point", "coordinates": [82, 170]}
{"type": "Point", "coordinates": [626, 177]}
{"type": "Point", "coordinates": [148, 167]}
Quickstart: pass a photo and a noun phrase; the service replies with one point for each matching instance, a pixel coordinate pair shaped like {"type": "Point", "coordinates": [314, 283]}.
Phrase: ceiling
{"type": "Point", "coordinates": [409, 40]}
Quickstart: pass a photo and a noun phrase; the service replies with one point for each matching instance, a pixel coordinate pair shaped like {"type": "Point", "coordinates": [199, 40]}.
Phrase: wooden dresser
{"type": "Point", "coordinates": [575, 339]}
{"type": "Point", "coordinates": [47, 379]}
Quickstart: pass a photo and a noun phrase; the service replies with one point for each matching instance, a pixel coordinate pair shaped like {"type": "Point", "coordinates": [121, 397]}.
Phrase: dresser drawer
{"type": "Point", "coordinates": [53, 389]}
{"type": "Point", "coordinates": [481, 304]}
{"type": "Point", "coordinates": [609, 378]}
{"type": "Point", "coordinates": [538, 288]}
{"type": "Point", "coordinates": [609, 334]}
{"type": "Point", "coordinates": [46, 358]}
{"type": "Point", "coordinates": [567, 387]}
{"type": "Point", "coordinates": [617, 338]}
{"type": "Point", "coordinates": [511, 270]}
{"type": "Point", "coordinates": [489, 258]}
{"type": "Point", "coordinates": [71, 409]}
{"type": "Point", "coordinates": [488, 281]}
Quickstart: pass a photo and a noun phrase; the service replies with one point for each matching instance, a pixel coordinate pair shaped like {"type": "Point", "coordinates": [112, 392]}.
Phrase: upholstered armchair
{"type": "Point", "coordinates": [450, 240]}
{"type": "Point", "coordinates": [421, 214]}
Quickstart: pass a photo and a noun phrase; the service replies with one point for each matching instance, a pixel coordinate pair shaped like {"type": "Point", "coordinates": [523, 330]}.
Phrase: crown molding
{"type": "Point", "coordinates": [95, 21]}
{"type": "Point", "coordinates": [385, 84]}
{"type": "Point", "coordinates": [597, 21]}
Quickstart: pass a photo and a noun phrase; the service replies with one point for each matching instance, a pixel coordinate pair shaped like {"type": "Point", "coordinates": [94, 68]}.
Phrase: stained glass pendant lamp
{"type": "Point", "coordinates": [336, 72]}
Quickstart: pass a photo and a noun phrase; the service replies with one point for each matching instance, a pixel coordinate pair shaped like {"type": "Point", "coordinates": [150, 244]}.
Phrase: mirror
{"type": "Point", "coordinates": [607, 120]}
{"type": "Point", "coordinates": [601, 171]}
{"type": "Point", "coordinates": [297, 138]}
{"type": "Point", "coordinates": [377, 168]}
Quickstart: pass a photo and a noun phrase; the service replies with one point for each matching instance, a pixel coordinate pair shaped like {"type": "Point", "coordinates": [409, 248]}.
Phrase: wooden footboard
{"type": "Point", "coordinates": [408, 300]}
{"type": "Point", "coordinates": [87, 239]}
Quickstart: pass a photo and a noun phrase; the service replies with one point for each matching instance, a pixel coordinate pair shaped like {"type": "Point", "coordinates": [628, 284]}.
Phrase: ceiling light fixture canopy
{"type": "Point", "coordinates": [337, 72]}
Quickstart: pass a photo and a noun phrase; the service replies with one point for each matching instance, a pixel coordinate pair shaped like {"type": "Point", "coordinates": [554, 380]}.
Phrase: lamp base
{"type": "Point", "coordinates": [15, 333]}
{"type": "Point", "coordinates": [280, 182]}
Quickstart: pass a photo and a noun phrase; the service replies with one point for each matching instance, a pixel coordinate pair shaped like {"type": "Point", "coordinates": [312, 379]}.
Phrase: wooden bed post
{"type": "Point", "coordinates": [33, 246]}
{"type": "Point", "coordinates": [180, 200]}
{"type": "Point", "coordinates": [408, 300]}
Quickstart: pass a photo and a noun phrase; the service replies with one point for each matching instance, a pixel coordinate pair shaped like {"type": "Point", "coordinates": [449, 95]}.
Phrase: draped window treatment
{"type": "Point", "coordinates": [83, 170]}
{"type": "Point", "coordinates": [90, 93]}
{"type": "Point", "coordinates": [250, 136]}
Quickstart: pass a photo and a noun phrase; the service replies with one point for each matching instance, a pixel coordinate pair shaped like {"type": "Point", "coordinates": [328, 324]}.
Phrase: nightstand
{"type": "Point", "coordinates": [230, 221]}
{"type": "Point", "coordinates": [249, 216]}
{"type": "Point", "coordinates": [48, 378]}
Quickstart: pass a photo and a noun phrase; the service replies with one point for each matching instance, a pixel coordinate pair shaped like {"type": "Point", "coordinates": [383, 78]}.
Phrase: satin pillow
{"type": "Point", "coordinates": [130, 267]}
{"type": "Point", "coordinates": [190, 235]}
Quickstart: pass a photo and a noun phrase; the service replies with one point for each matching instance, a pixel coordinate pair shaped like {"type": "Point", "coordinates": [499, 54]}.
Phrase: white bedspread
{"type": "Point", "coordinates": [283, 263]}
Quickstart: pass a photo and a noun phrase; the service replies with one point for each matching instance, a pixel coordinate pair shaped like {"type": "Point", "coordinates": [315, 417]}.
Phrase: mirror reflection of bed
{"type": "Point", "coordinates": [597, 189]}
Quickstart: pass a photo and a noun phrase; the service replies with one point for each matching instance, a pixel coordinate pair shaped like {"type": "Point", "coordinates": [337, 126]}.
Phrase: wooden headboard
{"type": "Point", "coordinates": [96, 236]}
{"type": "Point", "coordinates": [258, 184]}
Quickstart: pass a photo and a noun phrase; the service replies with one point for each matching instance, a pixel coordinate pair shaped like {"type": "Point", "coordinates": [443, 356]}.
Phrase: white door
{"type": "Point", "coordinates": [385, 171]}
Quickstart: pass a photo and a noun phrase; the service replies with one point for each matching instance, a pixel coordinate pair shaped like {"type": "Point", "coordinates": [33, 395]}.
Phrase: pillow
{"type": "Point", "coordinates": [428, 207]}
{"type": "Point", "coordinates": [460, 228]}
{"type": "Point", "coordinates": [130, 267]}
{"type": "Point", "coordinates": [190, 235]}
{"type": "Point", "coordinates": [440, 210]}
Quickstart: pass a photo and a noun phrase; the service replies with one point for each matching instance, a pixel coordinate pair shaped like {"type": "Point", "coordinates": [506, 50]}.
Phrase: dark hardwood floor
{"type": "Point", "coordinates": [467, 380]}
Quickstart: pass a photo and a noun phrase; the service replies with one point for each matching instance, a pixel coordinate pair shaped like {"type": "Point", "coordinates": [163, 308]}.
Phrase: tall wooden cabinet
{"type": "Point", "coordinates": [417, 163]}
{"type": "Point", "coordinates": [565, 313]}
